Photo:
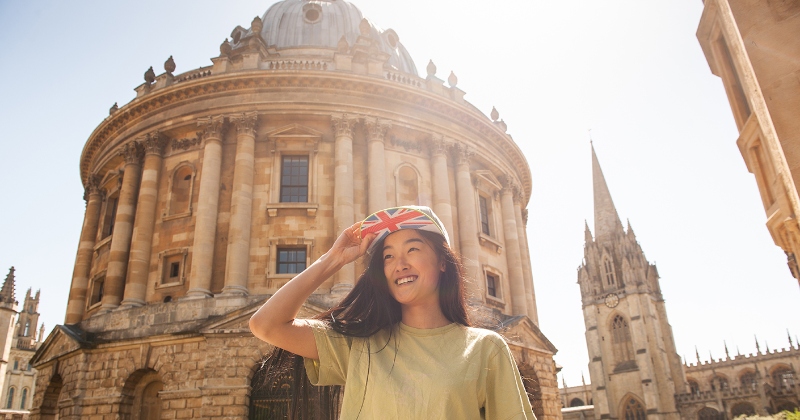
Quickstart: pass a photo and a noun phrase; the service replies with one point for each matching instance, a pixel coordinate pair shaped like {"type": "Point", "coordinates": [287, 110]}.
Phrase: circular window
{"type": "Point", "coordinates": [312, 13]}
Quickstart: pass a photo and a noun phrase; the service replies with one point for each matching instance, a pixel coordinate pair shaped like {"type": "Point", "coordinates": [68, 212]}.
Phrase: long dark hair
{"type": "Point", "coordinates": [367, 309]}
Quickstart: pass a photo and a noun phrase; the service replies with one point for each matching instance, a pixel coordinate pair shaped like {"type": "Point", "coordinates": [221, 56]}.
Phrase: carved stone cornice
{"type": "Point", "coordinates": [245, 122]}
{"type": "Point", "coordinates": [132, 152]}
{"type": "Point", "coordinates": [376, 128]}
{"type": "Point", "coordinates": [154, 143]}
{"type": "Point", "coordinates": [249, 82]}
{"type": "Point", "coordinates": [436, 145]}
{"type": "Point", "coordinates": [211, 127]}
{"type": "Point", "coordinates": [462, 153]}
{"type": "Point", "coordinates": [343, 124]}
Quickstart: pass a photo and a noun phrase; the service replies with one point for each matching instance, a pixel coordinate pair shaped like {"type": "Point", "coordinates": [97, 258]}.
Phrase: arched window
{"type": "Point", "coordinates": [180, 196]}
{"type": "Point", "coordinates": [634, 410]}
{"type": "Point", "coordinates": [10, 399]}
{"type": "Point", "coordinates": [694, 387]}
{"type": "Point", "coordinates": [27, 329]}
{"type": "Point", "coordinates": [743, 409]}
{"type": "Point", "coordinates": [782, 378]}
{"type": "Point", "coordinates": [576, 402]}
{"type": "Point", "coordinates": [24, 398]}
{"type": "Point", "coordinates": [407, 185]}
{"type": "Point", "coordinates": [621, 341]}
{"type": "Point", "coordinates": [608, 272]}
{"type": "Point", "coordinates": [748, 381]}
{"type": "Point", "coordinates": [719, 383]}
{"type": "Point", "coordinates": [150, 408]}
{"type": "Point", "coordinates": [709, 413]}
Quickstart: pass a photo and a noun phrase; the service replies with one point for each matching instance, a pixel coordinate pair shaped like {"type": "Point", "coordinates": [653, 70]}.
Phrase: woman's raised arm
{"type": "Point", "coordinates": [275, 321]}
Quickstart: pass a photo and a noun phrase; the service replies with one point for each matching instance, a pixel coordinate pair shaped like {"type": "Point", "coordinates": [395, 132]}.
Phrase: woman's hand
{"type": "Point", "coordinates": [349, 246]}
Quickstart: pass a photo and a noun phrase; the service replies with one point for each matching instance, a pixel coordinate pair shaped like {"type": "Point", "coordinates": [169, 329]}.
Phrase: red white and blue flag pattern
{"type": "Point", "coordinates": [393, 219]}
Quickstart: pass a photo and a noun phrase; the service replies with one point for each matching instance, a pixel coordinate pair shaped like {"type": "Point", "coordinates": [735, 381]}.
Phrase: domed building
{"type": "Point", "coordinates": [212, 188]}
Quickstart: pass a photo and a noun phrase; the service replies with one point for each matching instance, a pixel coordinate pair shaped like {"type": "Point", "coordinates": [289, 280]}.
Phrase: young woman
{"type": "Point", "coordinates": [401, 340]}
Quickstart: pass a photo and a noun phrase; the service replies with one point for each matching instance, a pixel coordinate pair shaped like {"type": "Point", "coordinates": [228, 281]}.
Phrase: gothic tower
{"type": "Point", "coordinates": [635, 370]}
{"type": "Point", "coordinates": [8, 312]}
{"type": "Point", "coordinates": [28, 320]}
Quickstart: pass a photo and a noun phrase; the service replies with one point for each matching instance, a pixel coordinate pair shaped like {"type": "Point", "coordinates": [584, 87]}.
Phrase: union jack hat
{"type": "Point", "coordinates": [391, 220]}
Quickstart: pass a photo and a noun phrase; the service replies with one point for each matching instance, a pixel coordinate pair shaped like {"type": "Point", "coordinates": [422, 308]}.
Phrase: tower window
{"type": "Point", "coordinates": [621, 340]}
{"type": "Point", "coordinates": [24, 398]}
{"type": "Point", "coordinates": [748, 381]}
{"type": "Point", "coordinates": [608, 269]}
{"type": "Point", "coordinates": [294, 179]}
{"type": "Point", "coordinates": [634, 410]}
{"type": "Point", "coordinates": [10, 399]}
{"type": "Point", "coordinates": [110, 216]}
{"type": "Point", "coordinates": [97, 291]}
{"type": "Point", "coordinates": [291, 260]}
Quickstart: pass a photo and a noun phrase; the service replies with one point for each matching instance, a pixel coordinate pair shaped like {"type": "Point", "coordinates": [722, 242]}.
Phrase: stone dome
{"type": "Point", "coordinates": [321, 24]}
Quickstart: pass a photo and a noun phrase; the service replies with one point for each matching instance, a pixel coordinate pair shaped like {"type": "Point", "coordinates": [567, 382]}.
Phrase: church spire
{"type": "Point", "coordinates": [7, 291]}
{"type": "Point", "coordinates": [606, 219]}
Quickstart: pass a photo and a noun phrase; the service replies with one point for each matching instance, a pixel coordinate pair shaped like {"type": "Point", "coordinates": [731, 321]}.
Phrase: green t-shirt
{"type": "Point", "coordinates": [452, 372]}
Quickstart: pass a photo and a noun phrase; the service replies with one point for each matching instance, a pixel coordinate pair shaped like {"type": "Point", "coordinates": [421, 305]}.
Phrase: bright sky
{"type": "Point", "coordinates": [631, 71]}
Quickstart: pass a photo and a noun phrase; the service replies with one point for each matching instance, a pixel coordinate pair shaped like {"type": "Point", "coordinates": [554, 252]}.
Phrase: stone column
{"type": "Point", "coordinates": [524, 253]}
{"type": "Point", "coordinates": [237, 263]}
{"type": "Point", "coordinates": [343, 209]}
{"type": "Point", "coordinates": [123, 228]}
{"type": "Point", "coordinates": [205, 228]}
{"type": "Point", "coordinates": [441, 183]}
{"type": "Point", "coordinates": [83, 261]}
{"type": "Point", "coordinates": [468, 223]}
{"type": "Point", "coordinates": [519, 303]}
{"type": "Point", "coordinates": [376, 163]}
{"type": "Point", "coordinates": [141, 246]}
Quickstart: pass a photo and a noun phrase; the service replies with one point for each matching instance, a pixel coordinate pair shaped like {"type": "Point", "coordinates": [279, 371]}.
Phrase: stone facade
{"type": "Point", "coordinates": [754, 47]}
{"type": "Point", "coordinates": [212, 188]}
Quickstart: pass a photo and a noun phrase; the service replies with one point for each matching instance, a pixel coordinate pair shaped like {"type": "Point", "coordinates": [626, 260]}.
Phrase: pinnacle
{"type": "Point", "coordinates": [7, 291]}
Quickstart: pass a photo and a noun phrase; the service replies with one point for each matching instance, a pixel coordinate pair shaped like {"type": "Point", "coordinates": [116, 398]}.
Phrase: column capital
{"type": "Point", "coordinates": [462, 153]}
{"type": "Point", "coordinates": [92, 187]}
{"type": "Point", "coordinates": [343, 124]}
{"type": "Point", "coordinates": [525, 216]}
{"type": "Point", "coordinates": [376, 128]}
{"type": "Point", "coordinates": [245, 122]}
{"type": "Point", "coordinates": [211, 127]}
{"type": "Point", "coordinates": [509, 186]}
{"type": "Point", "coordinates": [154, 143]}
{"type": "Point", "coordinates": [437, 145]}
{"type": "Point", "coordinates": [132, 152]}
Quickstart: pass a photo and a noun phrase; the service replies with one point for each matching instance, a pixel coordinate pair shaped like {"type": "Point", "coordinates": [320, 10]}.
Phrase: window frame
{"type": "Point", "coordinates": [283, 175]}
{"type": "Point", "coordinates": [275, 280]}
{"type": "Point", "coordinates": [95, 298]}
{"type": "Point", "coordinates": [488, 187]}
{"type": "Point", "coordinates": [167, 214]}
{"type": "Point", "coordinates": [293, 140]}
{"type": "Point", "coordinates": [166, 257]}
{"type": "Point", "coordinates": [500, 285]}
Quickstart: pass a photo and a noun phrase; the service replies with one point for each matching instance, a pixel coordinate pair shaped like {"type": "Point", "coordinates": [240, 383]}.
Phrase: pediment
{"type": "Point", "coordinates": [294, 131]}
{"type": "Point", "coordinates": [522, 332]}
{"type": "Point", "coordinates": [62, 340]}
{"type": "Point", "coordinates": [237, 322]}
{"type": "Point", "coordinates": [488, 180]}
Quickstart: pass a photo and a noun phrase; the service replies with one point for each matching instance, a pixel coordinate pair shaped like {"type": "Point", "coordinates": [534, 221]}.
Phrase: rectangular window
{"type": "Point", "coordinates": [97, 291]}
{"type": "Point", "coordinates": [294, 179]}
{"type": "Point", "coordinates": [172, 269]}
{"type": "Point", "coordinates": [491, 285]}
{"type": "Point", "coordinates": [484, 215]}
{"type": "Point", "coordinates": [291, 260]}
{"type": "Point", "coordinates": [110, 216]}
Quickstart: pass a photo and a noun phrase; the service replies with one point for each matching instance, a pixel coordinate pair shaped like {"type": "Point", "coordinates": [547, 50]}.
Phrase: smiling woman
{"type": "Point", "coordinates": [408, 314]}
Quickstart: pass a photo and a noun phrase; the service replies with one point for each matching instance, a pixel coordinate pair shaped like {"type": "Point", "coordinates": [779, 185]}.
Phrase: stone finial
{"type": "Point", "coordinates": [225, 48]}
{"type": "Point", "coordinates": [431, 69]}
{"type": "Point", "coordinates": [342, 46]}
{"type": "Point", "coordinates": [256, 25]}
{"type": "Point", "coordinates": [114, 108]}
{"type": "Point", "coordinates": [150, 75]}
{"type": "Point", "coordinates": [364, 27]}
{"type": "Point", "coordinates": [494, 115]}
{"type": "Point", "coordinates": [452, 80]}
{"type": "Point", "coordinates": [169, 65]}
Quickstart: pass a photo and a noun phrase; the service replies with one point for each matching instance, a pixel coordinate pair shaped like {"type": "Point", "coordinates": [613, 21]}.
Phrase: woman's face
{"type": "Point", "coordinates": [412, 268]}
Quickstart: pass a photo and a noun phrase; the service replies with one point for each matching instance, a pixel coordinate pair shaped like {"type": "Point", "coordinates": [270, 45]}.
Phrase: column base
{"type": "Point", "coordinates": [198, 293]}
{"type": "Point", "coordinates": [341, 289]}
{"type": "Point", "coordinates": [106, 308]}
{"type": "Point", "coordinates": [235, 291]}
{"type": "Point", "coordinates": [131, 303]}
